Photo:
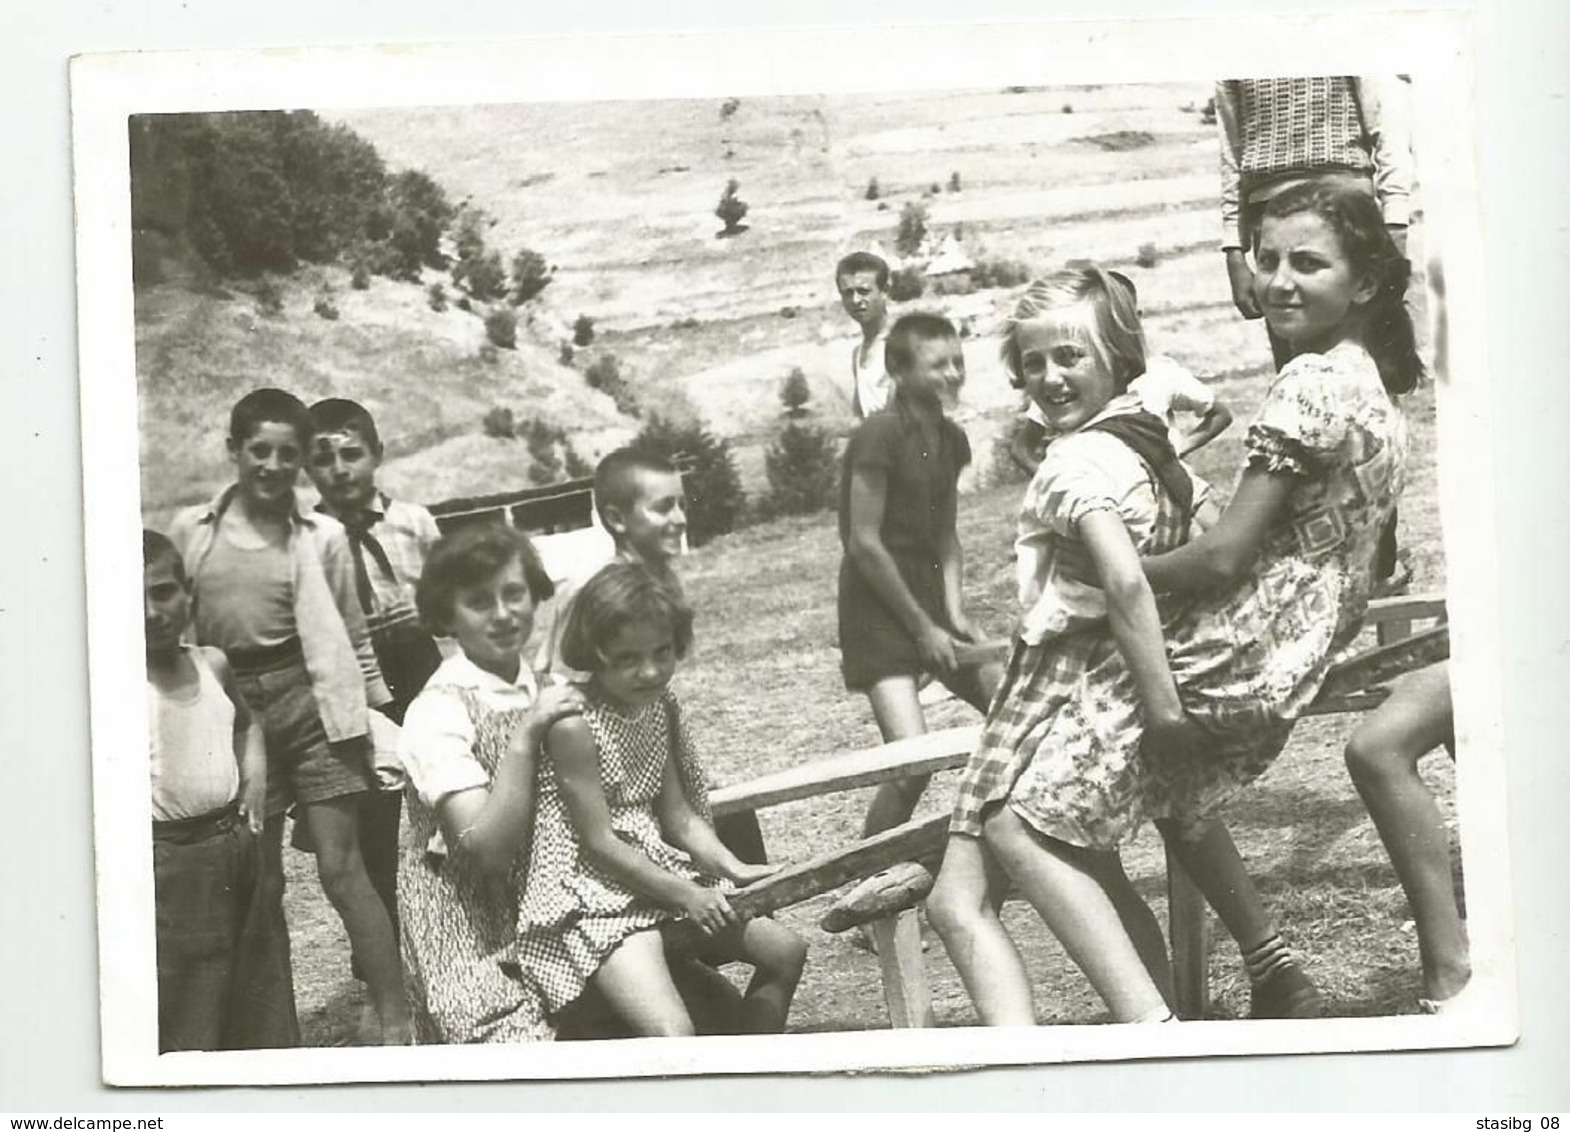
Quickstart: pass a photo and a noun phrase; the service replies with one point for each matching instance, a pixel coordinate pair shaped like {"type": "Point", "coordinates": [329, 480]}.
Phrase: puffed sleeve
{"type": "Point", "coordinates": [437, 746]}
{"type": "Point", "coordinates": [1299, 423]}
{"type": "Point", "coordinates": [1083, 472]}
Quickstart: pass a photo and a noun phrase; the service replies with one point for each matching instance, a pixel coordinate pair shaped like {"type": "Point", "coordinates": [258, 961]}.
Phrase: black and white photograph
{"type": "Point", "coordinates": [656, 566]}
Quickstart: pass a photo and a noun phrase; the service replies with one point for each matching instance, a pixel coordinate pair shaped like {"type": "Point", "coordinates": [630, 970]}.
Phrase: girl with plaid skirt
{"type": "Point", "coordinates": [623, 842]}
{"type": "Point", "coordinates": [1089, 737]}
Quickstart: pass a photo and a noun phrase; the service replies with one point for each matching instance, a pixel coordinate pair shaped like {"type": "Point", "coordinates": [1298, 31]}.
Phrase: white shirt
{"type": "Point", "coordinates": [871, 384]}
{"type": "Point", "coordinates": [437, 744]}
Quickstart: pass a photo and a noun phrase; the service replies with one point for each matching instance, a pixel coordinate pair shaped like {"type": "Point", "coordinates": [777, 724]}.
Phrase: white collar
{"type": "Point", "coordinates": [458, 671]}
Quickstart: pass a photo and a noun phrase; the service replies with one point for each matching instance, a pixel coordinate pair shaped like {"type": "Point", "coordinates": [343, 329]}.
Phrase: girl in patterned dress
{"type": "Point", "coordinates": [623, 842]}
{"type": "Point", "coordinates": [1074, 761]}
{"type": "Point", "coordinates": [470, 743]}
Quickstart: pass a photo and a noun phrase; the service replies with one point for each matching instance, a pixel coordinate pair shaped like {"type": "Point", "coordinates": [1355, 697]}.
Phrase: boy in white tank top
{"type": "Point", "coordinates": [208, 771]}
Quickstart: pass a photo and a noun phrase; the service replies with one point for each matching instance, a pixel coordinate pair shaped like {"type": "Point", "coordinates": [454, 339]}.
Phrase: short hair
{"type": "Point", "coordinates": [157, 549]}
{"type": "Point", "coordinates": [621, 594]}
{"type": "Point", "coordinates": [469, 556]}
{"type": "Point", "coordinates": [908, 331]}
{"type": "Point", "coordinates": [263, 406]}
{"type": "Point", "coordinates": [616, 477]}
{"type": "Point", "coordinates": [1115, 333]}
{"type": "Point", "coordinates": [857, 262]}
{"type": "Point", "coordinates": [339, 414]}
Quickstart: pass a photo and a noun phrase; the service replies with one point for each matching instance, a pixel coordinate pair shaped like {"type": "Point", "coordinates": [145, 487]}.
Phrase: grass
{"type": "Point", "coordinates": [629, 220]}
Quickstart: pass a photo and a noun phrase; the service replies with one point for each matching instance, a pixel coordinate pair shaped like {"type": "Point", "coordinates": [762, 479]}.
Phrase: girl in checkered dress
{"type": "Point", "coordinates": [623, 843]}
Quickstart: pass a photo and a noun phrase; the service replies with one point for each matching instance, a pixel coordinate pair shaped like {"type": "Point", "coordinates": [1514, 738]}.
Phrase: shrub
{"type": "Point", "coordinates": [934, 189]}
{"type": "Point", "coordinates": [803, 471]}
{"type": "Point", "coordinates": [795, 392]}
{"type": "Point", "coordinates": [1146, 256]}
{"type": "Point", "coordinates": [582, 330]}
{"type": "Point", "coordinates": [325, 307]}
{"type": "Point", "coordinates": [954, 185]}
{"type": "Point", "coordinates": [269, 298]}
{"type": "Point", "coordinates": [464, 304]}
{"type": "Point", "coordinates": [906, 284]}
{"type": "Point", "coordinates": [988, 272]}
{"type": "Point", "coordinates": [715, 500]}
{"type": "Point", "coordinates": [489, 354]}
{"type": "Point", "coordinates": [959, 283]}
{"type": "Point", "coordinates": [483, 277]}
{"type": "Point", "coordinates": [565, 354]}
{"type": "Point", "coordinates": [542, 441]}
{"type": "Point", "coordinates": [436, 296]}
{"type": "Point", "coordinates": [360, 277]}
{"type": "Point", "coordinates": [530, 275]}
{"type": "Point", "coordinates": [577, 467]}
{"type": "Point", "coordinates": [912, 228]}
{"type": "Point", "coordinates": [419, 214]}
{"type": "Point", "coordinates": [499, 423]}
{"type": "Point", "coordinates": [501, 328]}
{"type": "Point", "coordinates": [1207, 115]}
{"type": "Point", "coordinates": [686, 324]}
{"type": "Point", "coordinates": [604, 374]}
{"type": "Point", "coordinates": [729, 107]}
{"type": "Point", "coordinates": [872, 189]}
{"type": "Point", "coordinates": [1068, 108]}
{"type": "Point", "coordinates": [731, 209]}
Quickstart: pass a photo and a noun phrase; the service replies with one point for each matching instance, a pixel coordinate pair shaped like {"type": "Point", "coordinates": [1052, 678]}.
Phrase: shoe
{"type": "Point", "coordinates": [1287, 992]}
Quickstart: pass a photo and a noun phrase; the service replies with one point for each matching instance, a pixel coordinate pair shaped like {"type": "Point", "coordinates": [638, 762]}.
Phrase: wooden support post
{"type": "Point", "coordinates": [905, 991]}
{"type": "Point", "coordinates": [1188, 924]}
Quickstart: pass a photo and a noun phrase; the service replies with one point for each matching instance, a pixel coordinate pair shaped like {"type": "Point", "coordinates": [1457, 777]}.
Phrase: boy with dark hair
{"type": "Point", "coordinates": [274, 588]}
{"type": "Point", "coordinates": [901, 604]}
{"type": "Point", "coordinates": [209, 784]}
{"type": "Point", "coordinates": [388, 543]}
{"type": "Point", "coordinates": [862, 280]}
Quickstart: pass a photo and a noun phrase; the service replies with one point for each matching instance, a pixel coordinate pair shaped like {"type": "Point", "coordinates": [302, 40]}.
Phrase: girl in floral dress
{"type": "Point", "coordinates": [1089, 737]}
{"type": "Point", "coordinates": [623, 842]}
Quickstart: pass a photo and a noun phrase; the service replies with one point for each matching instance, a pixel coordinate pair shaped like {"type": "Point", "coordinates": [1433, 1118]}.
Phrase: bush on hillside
{"type": "Point", "coordinates": [565, 355]}
{"type": "Point", "coordinates": [803, 471]}
{"type": "Point", "coordinates": [483, 277]}
{"type": "Point", "coordinates": [987, 272]}
{"type": "Point", "coordinates": [499, 423]}
{"type": "Point", "coordinates": [269, 297]}
{"type": "Point", "coordinates": [501, 328]}
{"type": "Point", "coordinates": [954, 185]}
{"type": "Point", "coordinates": [1147, 255]}
{"type": "Point", "coordinates": [582, 330]}
{"type": "Point", "coordinates": [912, 229]}
{"type": "Point", "coordinates": [436, 296]}
{"type": "Point", "coordinates": [604, 374]}
{"type": "Point", "coordinates": [325, 307]}
{"type": "Point", "coordinates": [795, 392]}
{"type": "Point", "coordinates": [872, 189]}
{"type": "Point", "coordinates": [418, 213]}
{"type": "Point", "coordinates": [906, 284]}
{"type": "Point", "coordinates": [530, 275]}
{"type": "Point", "coordinates": [715, 500]}
{"type": "Point", "coordinates": [731, 209]}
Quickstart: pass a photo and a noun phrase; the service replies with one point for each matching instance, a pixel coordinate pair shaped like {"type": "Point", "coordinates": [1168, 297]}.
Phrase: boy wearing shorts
{"type": "Point", "coordinates": [901, 605]}
{"type": "Point", "coordinates": [388, 542]}
{"type": "Point", "coordinates": [273, 587]}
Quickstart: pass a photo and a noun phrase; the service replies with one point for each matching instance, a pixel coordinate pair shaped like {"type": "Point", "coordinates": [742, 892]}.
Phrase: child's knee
{"type": "Point", "coordinates": [952, 911]}
{"type": "Point", "coordinates": [1368, 758]}
{"type": "Point", "coordinates": [783, 953]}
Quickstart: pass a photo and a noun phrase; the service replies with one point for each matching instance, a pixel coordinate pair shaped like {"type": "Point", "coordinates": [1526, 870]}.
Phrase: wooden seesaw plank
{"type": "Point", "coordinates": [923, 754]}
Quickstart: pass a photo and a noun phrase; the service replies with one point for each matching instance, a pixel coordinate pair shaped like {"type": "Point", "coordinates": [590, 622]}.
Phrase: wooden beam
{"type": "Point", "coordinates": [1383, 664]}
{"type": "Point", "coordinates": [923, 754]}
{"type": "Point", "coordinates": [1188, 927]}
{"type": "Point", "coordinates": [897, 939]}
{"type": "Point", "coordinates": [882, 894]}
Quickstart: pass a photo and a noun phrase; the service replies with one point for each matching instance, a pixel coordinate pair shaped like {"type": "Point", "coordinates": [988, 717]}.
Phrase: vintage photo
{"type": "Point", "coordinates": [831, 574]}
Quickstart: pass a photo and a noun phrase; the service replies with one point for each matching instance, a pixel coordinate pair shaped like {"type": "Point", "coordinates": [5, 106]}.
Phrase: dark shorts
{"type": "Point", "coordinates": [874, 644]}
{"type": "Point", "coordinates": [302, 766]}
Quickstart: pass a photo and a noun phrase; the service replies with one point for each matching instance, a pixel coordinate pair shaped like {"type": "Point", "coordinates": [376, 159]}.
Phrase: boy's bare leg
{"type": "Point", "coordinates": [898, 714]}
{"type": "Point", "coordinates": [1382, 758]}
{"type": "Point", "coordinates": [963, 908]}
{"type": "Point", "coordinates": [334, 829]}
{"type": "Point", "coordinates": [1212, 860]}
{"type": "Point", "coordinates": [1138, 920]}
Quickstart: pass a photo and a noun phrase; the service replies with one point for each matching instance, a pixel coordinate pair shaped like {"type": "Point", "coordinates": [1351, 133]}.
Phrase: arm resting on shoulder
{"type": "Point", "coordinates": [1223, 554]}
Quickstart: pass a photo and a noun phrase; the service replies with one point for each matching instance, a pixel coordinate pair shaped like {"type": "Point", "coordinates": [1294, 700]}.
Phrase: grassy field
{"type": "Point", "coordinates": [620, 198]}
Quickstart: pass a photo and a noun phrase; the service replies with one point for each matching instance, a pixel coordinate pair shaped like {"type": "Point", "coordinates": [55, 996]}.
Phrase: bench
{"type": "Point", "coordinates": [894, 870]}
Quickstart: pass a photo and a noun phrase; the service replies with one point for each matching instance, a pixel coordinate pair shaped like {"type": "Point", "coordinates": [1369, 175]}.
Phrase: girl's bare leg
{"type": "Point", "coordinates": [333, 826]}
{"type": "Point", "coordinates": [636, 981]}
{"type": "Point", "coordinates": [898, 714]}
{"type": "Point", "coordinates": [963, 908]}
{"type": "Point", "coordinates": [1210, 857]}
{"type": "Point", "coordinates": [1382, 758]}
{"type": "Point", "coordinates": [1063, 883]}
{"type": "Point", "coordinates": [777, 956]}
{"type": "Point", "coordinates": [1139, 922]}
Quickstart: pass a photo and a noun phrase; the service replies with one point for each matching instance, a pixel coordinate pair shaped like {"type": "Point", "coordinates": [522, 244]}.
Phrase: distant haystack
{"type": "Point", "coordinates": [950, 258]}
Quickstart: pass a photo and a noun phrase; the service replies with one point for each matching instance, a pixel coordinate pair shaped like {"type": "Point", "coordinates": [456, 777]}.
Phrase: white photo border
{"type": "Point", "coordinates": [1433, 47]}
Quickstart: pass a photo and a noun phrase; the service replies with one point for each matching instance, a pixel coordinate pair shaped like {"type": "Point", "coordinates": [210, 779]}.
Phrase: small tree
{"type": "Point", "coordinates": [906, 284]}
{"type": "Point", "coordinates": [530, 275]}
{"type": "Point", "coordinates": [795, 393]}
{"type": "Point", "coordinates": [436, 296]}
{"type": "Point", "coordinates": [499, 423]}
{"type": "Point", "coordinates": [912, 228]}
{"type": "Point", "coordinates": [802, 469]}
{"type": "Point", "coordinates": [954, 185]}
{"type": "Point", "coordinates": [582, 330]}
{"type": "Point", "coordinates": [604, 374]}
{"type": "Point", "coordinates": [1147, 255]}
{"type": "Point", "coordinates": [872, 192]}
{"type": "Point", "coordinates": [501, 327]}
{"type": "Point", "coordinates": [731, 209]}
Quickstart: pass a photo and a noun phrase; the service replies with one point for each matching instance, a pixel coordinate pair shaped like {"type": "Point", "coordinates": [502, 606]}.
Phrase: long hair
{"type": "Point", "coordinates": [1115, 337]}
{"type": "Point", "coordinates": [1350, 211]}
